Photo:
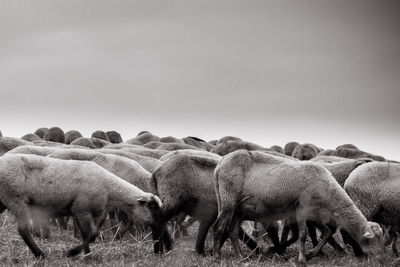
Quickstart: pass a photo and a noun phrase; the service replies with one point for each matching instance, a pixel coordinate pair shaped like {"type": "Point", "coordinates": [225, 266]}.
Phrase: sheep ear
{"type": "Point", "coordinates": [142, 200]}
{"type": "Point", "coordinates": [369, 234]}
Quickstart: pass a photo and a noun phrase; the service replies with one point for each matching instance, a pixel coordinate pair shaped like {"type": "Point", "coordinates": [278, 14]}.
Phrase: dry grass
{"type": "Point", "coordinates": [106, 251]}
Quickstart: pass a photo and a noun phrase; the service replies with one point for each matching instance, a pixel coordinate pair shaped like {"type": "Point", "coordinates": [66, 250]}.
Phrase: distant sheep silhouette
{"type": "Point", "coordinates": [55, 134]}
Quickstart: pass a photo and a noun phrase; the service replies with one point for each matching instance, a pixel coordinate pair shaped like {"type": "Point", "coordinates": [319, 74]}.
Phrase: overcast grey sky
{"type": "Point", "coordinates": [326, 72]}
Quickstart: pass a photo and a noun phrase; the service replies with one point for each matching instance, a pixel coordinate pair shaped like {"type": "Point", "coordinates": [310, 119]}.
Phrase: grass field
{"type": "Point", "coordinates": [106, 251]}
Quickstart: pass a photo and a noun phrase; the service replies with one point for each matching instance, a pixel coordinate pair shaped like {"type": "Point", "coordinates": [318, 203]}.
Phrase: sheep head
{"type": "Point", "coordinates": [373, 241]}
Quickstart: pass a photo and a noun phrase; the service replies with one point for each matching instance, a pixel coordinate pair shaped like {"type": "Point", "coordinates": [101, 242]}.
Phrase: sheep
{"type": "Point", "coordinates": [326, 152]}
{"type": "Point", "coordinates": [230, 146]}
{"type": "Point", "coordinates": [305, 151]}
{"type": "Point", "coordinates": [36, 150]}
{"type": "Point", "coordinates": [90, 142]}
{"type": "Point", "coordinates": [197, 142]}
{"type": "Point", "coordinates": [55, 134]}
{"type": "Point", "coordinates": [213, 142]}
{"type": "Point", "coordinates": [355, 153]}
{"type": "Point", "coordinates": [47, 143]}
{"type": "Point", "coordinates": [340, 171]}
{"type": "Point", "coordinates": [30, 137]}
{"type": "Point", "coordinates": [277, 148]}
{"type": "Point", "coordinates": [184, 183]}
{"type": "Point", "coordinates": [41, 132]}
{"type": "Point", "coordinates": [257, 186]}
{"type": "Point", "coordinates": [351, 146]}
{"type": "Point", "coordinates": [143, 138]}
{"type": "Point", "coordinates": [8, 143]}
{"type": "Point", "coordinates": [289, 147]}
{"type": "Point", "coordinates": [100, 135]}
{"type": "Point", "coordinates": [200, 153]}
{"type": "Point", "coordinates": [157, 154]}
{"type": "Point", "coordinates": [227, 139]}
{"type": "Point", "coordinates": [71, 136]}
{"type": "Point", "coordinates": [114, 137]}
{"type": "Point", "coordinates": [33, 185]}
{"type": "Point", "coordinates": [154, 144]}
{"type": "Point", "coordinates": [328, 159]}
{"type": "Point", "coordinates": [149, 163]}
{"type": "Point", "coordinates": [171, 139]}
{"type": "Point", "coordinates": [374, 188]}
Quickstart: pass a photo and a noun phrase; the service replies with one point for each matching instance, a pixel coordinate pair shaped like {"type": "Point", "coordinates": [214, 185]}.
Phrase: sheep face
{"type": "Point", "coordinates": [145, 211]}
{"type": "Point", "coordinates": [373, 241]}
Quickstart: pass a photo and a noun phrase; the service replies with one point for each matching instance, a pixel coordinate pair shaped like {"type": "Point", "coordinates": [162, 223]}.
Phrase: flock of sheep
{"type": "Point", "coordinates": [152, 182]}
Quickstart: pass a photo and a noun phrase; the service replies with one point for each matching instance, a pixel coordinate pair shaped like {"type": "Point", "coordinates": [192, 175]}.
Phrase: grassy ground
{"type": "Point", "coordinates": [106, 251]}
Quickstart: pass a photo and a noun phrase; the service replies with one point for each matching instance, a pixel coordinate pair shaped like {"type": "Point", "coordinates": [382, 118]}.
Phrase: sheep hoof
{"type": "Point", "coordinates": [73, 252]}
{"type": "Point", "coordinates": [40, 255]}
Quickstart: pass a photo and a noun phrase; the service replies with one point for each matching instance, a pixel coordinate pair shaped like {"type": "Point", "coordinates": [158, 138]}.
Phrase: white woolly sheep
{"type": "Point", "coordinates": [227, 147]}
{"type": "Point", "coordinates": [289, 147]}
{"type": "Point", "coordinates": [328, 159]}
{"type": "Point", "coordinates": [41, 132]}
{"type": "Point", "coordinates": [71, 136]}
{"type": "Point", "coordinates": [184, 183]}
{"type": "Point", "coordinates": [8, 143]}
{"type": "Point", "coordinates": [277, 148]}
{"type": "Point", "coordinates": [90, 142]}
{"type": "Point", "coordinates": [305, 151]}
{"type": "Point", "coordinates": [227, 139]}
{"type": "Point", "coordinates": [29, 186]}
{"type": "Point", "coordinates": [100, 135]}
{"type": "Point", "coordinates": [149, 163]}
{"type": "Point", "coordinates": [197, 142]}
{"type": "Point", "coordinates": [171, 139]}
{"type": "Point", "coordinates": [143, 138]}
{"type": "Point", "coordinates": [252, 185]}
{"type": "Point", "coordinates": [355, 154]}
{"type": "Point", "coordinates": [55, 134]}
{"type": "Point", "coordinates": [375, 189]}
{"type": "Point", "coordinates": [114, 137]}
{"type": "Point", "coordinates": [30, 137]}
{"type": "Point", "coordinates": [35, 150]}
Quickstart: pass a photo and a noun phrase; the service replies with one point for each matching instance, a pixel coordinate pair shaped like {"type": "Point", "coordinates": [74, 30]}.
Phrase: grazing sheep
{"type": "Point", "coordinates": [197, 142]}
{"type": "Point", "coordinates": [184, 183]}
{"type": "Point", "coordinates": [289, 147]}
{"type": "Point", "coordinates": [36, 150]}
{"type": "Point", "coordinates": [41, 132]}
{"type": "Point", "coordinates": [71, 136]}
{"type": "Point", "coordinates": [251, 185]}
{"type": "Point", "coordinates": [8, 143]}
{"type": "Point", "coordinates": [171, 139]}
{"type": "Point", "coordinates": [328, 159]}
{"type": "Point", "coordinates": [55, 134]}
{"type": "Point", "coordinates": [149, 163]}
{"type": "Point", "coordinates": [227, 139]}
{"type": "Point", "coordinates": [90, 142]}
{"type": "Point", "coordinates": [305, 151]}
{"type": "Point", "coordinates": [229, 146]}
{"type": "Point", "coordinates": [100, 135]}
{"type": "Point", "coordinates": [277, 148]}
{"type": "Point", "coordinates": [326, 152]}
{"type": "Point", "coordinates": [355, 154]}
{"type": "Point", "coordinates": [143, 138]}
{"type": "Point", "coordinates": [114, 137]}
{"type": "Point", "coordinates": [30, 137]}
{"type": "Point", "coordinates": [351, 146]}
{"type": "Point", "coordinates": [33, 185]}
{"type": "Point", "coordinates": [375, 190]}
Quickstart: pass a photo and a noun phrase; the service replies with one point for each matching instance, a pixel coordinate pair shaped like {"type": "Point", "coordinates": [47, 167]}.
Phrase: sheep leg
{"type": "Point", "coordinates": [63, 222]}
{"type": "Point", "coordinates": [234, 236]}
{"type": "Point", "coordinates": [326, 233]}
{"type": "Point", "coordinates": [23, 230]}
{"type": "Point", "coordinates": [394, 246]}
{"type": "Point", "coordinates": [2, 208]}
{"type": "Point", "coordinates": [347, 239]}
{"type": "Point", "coordinates": [202, 234]}
{"type": "Point", "coordinates": [221, 231]}
{"type": "Point", "coordinates": [272, 230]}
{"type": "Point", "coordinates": [76, 228]}
{"type": "Point", "coordinates": [89, 231]}
{"type": "Point", "coordinates": [290, 224]}
{"type": "Point", "coordinates": [302, 244]}
{"type": "Point", "coordinates": [312, 231]}
{"type": "Point", "coordinates": [255, 232]}
{"type": "Point", "coordinates": [248, 241]}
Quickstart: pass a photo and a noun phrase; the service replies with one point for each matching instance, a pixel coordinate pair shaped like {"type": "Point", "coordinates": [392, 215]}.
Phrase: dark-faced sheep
{"type": "Point", "coordinates": [197, 142]}
{"type": "Point", "coordinates": [355, 154]}
{"type": "Point", "coordinates": [114, 137]}
{"type": "Point", "coordinates": [256, 186]}
{"type": "Point", "coordinates": [71, 136]}
{"type": "Point", "coordinates": [55, 134]}
{"type": "Point", "coordinates": [143, 138]}
{"type": "Point", "coordinates": [8, 143]}
{"type": "Point", "coordinates": [41, 132]}
{"type": "Point", "coordinates": [305, 151]}
{"type": "Point", "coordinates": [289, 147]}
{"type": "Point", "coordinates": [30, 137]}
{"type": "Point", "coordinates": [100, 135]}
{"type": "Point", "coordinates": [184, 183]}
{"type": "Point", "coordinates": [375, 189]}
{"type": "Point", "coordinates": [32, 185]}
